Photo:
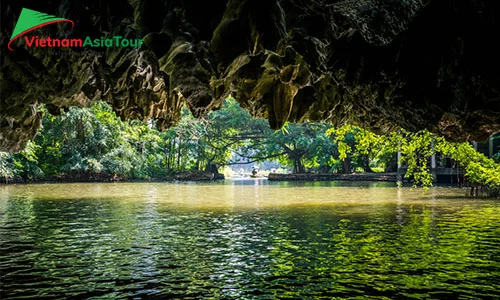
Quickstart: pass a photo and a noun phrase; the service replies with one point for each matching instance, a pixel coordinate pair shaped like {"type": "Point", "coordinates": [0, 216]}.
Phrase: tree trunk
{"type": "Point", "coordinates": [166, 153]}
{"type": "Point", "coordinates": [392, 164]}
{"type": "Point", "coordinates": [179, 155]}
{"type": "Point", "coordinates": [366, 164]}
{"type": "Point", "coordinates": [298, 167]}
{"type": "Point", "coordinates": [199, 158]}
{"type": "Point", "coordinates": [212, 168]}
{"type": "Point", "coordinates": [301, 167]}
{"type": "Point", "coordinates": [346, 165]}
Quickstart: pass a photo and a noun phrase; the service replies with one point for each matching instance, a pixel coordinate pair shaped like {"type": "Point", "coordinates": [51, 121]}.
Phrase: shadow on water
{"type": "Point", "coordinates": [246, 241]}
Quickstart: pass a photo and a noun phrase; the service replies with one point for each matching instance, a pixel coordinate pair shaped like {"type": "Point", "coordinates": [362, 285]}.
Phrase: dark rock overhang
{"type": "Point", "coordinates": [379, 64]}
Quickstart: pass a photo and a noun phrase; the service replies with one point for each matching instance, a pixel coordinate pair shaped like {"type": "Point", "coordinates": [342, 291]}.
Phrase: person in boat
{"type": "Point", "coordinates": [255, 170]}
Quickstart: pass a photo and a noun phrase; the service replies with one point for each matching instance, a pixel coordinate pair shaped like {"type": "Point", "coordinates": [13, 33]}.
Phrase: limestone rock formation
{"type": "Point", "coordinates": [380, 64]}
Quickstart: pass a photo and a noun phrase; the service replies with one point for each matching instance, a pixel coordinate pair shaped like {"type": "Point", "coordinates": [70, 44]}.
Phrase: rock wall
{"type": "Point", "coordinates": [380, 64]}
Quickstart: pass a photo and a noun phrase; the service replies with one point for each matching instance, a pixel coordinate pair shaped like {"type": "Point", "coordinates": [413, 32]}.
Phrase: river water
{"type": "Point", "coordinates": [246, 240]}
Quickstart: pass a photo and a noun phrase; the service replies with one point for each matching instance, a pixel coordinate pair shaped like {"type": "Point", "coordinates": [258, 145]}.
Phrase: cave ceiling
{"type": "Point", "coordinates": [382, 65]}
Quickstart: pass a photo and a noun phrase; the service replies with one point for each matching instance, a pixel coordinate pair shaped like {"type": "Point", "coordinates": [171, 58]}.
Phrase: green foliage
{"type": "Point", "coordinates": [22, 166]}
{"type": "Point", "coordinates": [298, 146]}
{"type": "Point", "coordinates": [7, 167]}
{"type": "Point", "coordinates": [362, 148]}
{"type": "Point", "coordinates": [416, 150]}
{"type": "Point", "coordinates": [479, 169]}
{"type": "Point", "coordinates": [93, 143]}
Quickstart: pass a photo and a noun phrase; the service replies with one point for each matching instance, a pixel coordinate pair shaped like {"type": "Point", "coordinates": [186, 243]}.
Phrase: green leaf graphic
{"type": "Point", "coordinates": [30, 20]}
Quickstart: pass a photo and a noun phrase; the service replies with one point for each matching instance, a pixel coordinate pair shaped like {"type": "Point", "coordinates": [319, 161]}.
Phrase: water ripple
{"type": "Point", "coordinates": [113, 248]}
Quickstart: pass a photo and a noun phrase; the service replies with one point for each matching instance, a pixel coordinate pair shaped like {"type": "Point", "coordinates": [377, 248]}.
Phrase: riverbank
{"type": "Point", "coordinates": [181, 176]}
{"type": "Point", "coordinates": [388, 177]}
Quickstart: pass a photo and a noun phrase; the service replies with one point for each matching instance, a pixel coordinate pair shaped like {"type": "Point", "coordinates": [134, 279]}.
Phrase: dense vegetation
{"type": "Point", "coordinates": [94, 144]}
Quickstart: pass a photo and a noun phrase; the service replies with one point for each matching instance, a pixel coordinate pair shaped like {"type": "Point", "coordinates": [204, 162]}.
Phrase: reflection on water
{"type": "Point", "coordinates": [246, 240]}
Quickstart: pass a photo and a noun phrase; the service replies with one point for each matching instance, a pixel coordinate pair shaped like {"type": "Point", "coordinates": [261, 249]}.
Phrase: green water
{"type": "Point", "coordinates": [246, 240]}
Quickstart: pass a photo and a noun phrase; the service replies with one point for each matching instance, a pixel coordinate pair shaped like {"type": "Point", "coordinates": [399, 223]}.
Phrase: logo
{"type": "Point", "coordinates": [30, 20]}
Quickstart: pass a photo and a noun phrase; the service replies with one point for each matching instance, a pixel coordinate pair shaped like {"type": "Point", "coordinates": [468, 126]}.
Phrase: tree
{"type": "Point", "coordinates": [359, 148]}
{"type": "Point", "coordinates": [7, 167]}
{"type": "Point", "coordinates": [93, 143]}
